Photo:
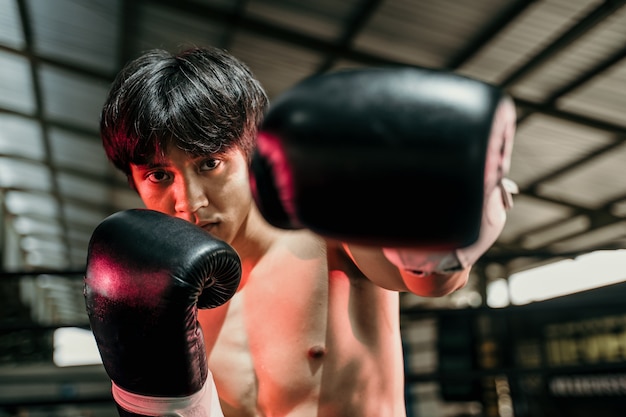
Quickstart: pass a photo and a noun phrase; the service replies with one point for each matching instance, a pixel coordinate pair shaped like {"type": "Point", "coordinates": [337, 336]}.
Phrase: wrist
{"type": "Point", "coordinates": [204, 403]}
{"type": "Point", "coordinates": [422, 263]}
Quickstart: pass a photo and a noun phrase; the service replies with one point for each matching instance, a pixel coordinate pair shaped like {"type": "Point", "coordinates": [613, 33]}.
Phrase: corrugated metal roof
{"type": "Point", "coordinates": [563, 61]}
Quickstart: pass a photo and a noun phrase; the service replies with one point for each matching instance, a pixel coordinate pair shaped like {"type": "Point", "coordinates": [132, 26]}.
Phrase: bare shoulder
{"type": "Point", "coordinates": [301, 243]}
{"type": "Point", "coordinates": [358, 262]}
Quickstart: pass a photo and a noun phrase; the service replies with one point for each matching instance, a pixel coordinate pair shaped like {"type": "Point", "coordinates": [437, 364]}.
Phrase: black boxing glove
{"type": "Point", "coordinates": [385, 156]}
{"type": "Point", "coordinates": [147, 274]}
{"type": "Point", "coordinates": [498, 200]}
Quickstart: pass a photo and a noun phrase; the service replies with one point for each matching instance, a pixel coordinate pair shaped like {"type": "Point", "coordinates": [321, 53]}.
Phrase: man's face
{"type": "Point", "coordinates": [211, 191]}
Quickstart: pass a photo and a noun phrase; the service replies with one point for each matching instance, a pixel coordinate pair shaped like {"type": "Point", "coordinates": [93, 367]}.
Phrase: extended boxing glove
{"type": "Point", "coordinates": [384, 156]}
{"type": "Point", "coordinates": [147, 274]}
{"type": "Point", "coordinates": [498, 200]}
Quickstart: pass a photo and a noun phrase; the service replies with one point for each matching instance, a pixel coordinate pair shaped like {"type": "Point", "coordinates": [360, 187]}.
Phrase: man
{"type": "Point", "coordinates": [313, 327]}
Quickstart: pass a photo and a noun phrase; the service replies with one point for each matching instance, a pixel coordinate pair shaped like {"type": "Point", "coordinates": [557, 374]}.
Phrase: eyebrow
{"type": "Point", "coordinates": [152, 165]}
{"type": "Point", "coordinates": [163, 163]}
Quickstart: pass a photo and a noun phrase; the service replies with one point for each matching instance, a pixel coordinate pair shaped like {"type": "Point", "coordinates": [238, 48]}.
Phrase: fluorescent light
{"type": "Point", "coordinates": [593, 270]}
{"type": "Point", "coordinates": [498, 294]}
{"type": "Point", "coordinates": [74, 346]}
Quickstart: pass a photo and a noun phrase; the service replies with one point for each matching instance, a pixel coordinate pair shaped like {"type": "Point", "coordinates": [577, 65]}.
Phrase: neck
{"type": "Point", "coordinates": [255, 237]}
{"type": "Point", "coordinates": [253, 241]}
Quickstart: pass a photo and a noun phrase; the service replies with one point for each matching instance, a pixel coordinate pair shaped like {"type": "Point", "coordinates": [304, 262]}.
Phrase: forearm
{"type": "Point", "coordinates": [433, 273]}
{"type": "Point", "coordinates": [434, 284]}
{"type": "Point", "coordinates": [379, 269]}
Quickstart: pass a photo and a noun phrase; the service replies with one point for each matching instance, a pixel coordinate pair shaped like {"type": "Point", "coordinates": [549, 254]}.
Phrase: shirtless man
{"type": "Point", "coordinates": [312, 326]}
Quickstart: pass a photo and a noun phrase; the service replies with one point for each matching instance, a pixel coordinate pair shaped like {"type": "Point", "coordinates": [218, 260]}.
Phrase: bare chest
{"type": "Point", "coordinates": [271, 337]}
{"type": "Point", "coordinates": [292, 339]}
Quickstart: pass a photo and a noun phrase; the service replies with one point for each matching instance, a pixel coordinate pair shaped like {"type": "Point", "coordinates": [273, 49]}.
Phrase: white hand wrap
{"type": "Point", "coordinates": [204, 403]}
{"type": "Point", "coordinates": [497, 200]}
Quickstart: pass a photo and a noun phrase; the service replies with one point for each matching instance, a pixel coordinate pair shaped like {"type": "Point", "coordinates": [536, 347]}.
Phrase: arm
{"type": "Point", "coordinates": [434, 273]}
{"type": "Point", "coordinates": [377, 267]}
{"type": "Point", "coordinates": [443, 266]}
{"type": "Point", "coordinates": [407, 159]}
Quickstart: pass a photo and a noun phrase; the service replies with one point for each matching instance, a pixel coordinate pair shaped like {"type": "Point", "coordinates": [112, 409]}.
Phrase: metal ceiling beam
{"type": "Point", "coordinates": [569, 116]}
{"type": "Point", "coordinates": [489, 32]}
{"type": "Point", "coordinates": [590, 21]}
{"type": "Point", "coordinates": [97, 207]}
{"type": "Point", "coordinates": [614, 59]}
{"type": "Point", "coordinates": [601, 67]}
{"type": "Point", "coordinates": [54, 123]}
{"type": "Point", "coordinates": [544, 252]}
{"type": "Point", "coordinates": [239, 10]}
{"type": "Point", "coordinates": [128, 19]}
{"type": "Point", "coordinates": [70, 67]}
{"type": "Point", "coordinates": [361, 15]}
{"type": "Point", "coordinates": [263, 28]}
{"type": "Point", "coordinates": [39, 115]}
{"type": "Point", "coordinates": [533, 187]}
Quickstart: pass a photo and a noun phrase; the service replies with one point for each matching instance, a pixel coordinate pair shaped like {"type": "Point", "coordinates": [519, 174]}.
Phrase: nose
{"type": "Point", "coordinates": [190, 197]}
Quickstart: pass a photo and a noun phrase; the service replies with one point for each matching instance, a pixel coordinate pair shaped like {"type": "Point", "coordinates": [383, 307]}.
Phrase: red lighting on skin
{"type": "Point", "coordinates": [500, 145]}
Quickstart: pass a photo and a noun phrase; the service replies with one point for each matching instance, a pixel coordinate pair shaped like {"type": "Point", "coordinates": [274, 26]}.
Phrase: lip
{"type": "Point", "coordinates": [208, 226]}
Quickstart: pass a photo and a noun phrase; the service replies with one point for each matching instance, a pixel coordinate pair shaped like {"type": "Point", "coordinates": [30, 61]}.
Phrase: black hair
{"type": "Point", "coordinates": [203, 100]}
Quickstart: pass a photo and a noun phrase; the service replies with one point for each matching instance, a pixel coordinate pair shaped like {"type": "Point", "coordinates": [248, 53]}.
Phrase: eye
{"type": "Point", "coordinates": [209, 164]}
{"type": "Point", "coordinates": [157, 176]}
